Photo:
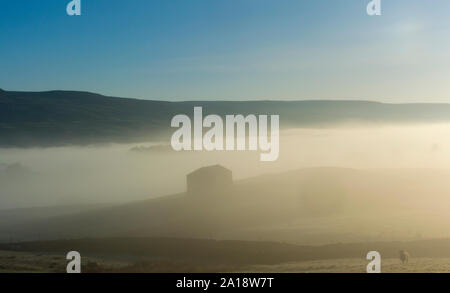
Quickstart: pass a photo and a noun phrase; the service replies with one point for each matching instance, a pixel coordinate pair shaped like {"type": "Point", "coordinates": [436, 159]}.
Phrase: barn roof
{"type": "Point", "coordinates": [210, 169]}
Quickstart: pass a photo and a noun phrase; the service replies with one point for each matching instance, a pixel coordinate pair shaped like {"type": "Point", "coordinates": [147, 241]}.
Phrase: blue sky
{"type": "Point", "coordinates": [229, 49]}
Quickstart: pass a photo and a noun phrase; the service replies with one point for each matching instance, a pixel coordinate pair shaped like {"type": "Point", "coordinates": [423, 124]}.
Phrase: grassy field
{"type": "Point", "coordinates": [28, 262]}
{"type": "Point", "coordinates": [25, 262]}
{"type": "Point", "coordinates": [390, 265]}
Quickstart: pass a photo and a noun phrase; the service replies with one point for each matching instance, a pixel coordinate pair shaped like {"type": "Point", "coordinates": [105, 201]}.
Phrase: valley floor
{"type": "Point", "coordinates": [26, 262]}
{"type": "Point", "coordinates": [390, 265]}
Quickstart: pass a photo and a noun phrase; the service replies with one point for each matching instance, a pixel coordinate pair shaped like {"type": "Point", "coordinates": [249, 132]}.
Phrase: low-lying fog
{"type": "Point", "coordinates": [127, 172]}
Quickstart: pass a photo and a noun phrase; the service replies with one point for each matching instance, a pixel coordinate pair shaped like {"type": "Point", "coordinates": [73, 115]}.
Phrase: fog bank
{"type": "Point", "coordinates": [128, 172]}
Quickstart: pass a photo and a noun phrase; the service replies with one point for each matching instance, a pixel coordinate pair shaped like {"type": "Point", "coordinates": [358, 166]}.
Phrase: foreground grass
{"type": "Point", "coordinates": [25, 262]}
{"type": "Point", "coordinates": [29, 262]}
{"type": "Point", "coordinates": [389, 265]}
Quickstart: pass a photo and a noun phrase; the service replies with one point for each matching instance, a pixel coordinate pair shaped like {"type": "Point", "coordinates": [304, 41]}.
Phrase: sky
{"type": "Point", "coordinates": [229, 49]}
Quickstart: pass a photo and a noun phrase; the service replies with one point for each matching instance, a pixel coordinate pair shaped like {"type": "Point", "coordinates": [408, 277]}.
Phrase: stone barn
{"type": "Point", "coordinates": [209, 181]}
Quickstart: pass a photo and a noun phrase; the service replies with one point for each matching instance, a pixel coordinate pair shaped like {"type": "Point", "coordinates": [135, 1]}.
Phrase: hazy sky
{"type": "Point", "coordinates": [229, 49]}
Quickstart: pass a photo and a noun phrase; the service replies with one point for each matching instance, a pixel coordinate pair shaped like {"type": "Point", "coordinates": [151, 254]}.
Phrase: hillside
{"type": "Point", "coordinates": [78, 118]}
{"type": "Point", "coordinates": [296, 206]}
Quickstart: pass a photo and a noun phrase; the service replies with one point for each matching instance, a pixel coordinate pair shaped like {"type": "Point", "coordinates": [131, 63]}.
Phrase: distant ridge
{"type": "Point", "coordinates": [55, 118]}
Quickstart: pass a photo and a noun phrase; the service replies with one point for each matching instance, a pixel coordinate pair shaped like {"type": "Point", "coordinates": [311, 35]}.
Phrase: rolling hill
{"type": "Point", "coordinates": [307, 206]}
{"type": "Point", "coordinates": [56, 118]}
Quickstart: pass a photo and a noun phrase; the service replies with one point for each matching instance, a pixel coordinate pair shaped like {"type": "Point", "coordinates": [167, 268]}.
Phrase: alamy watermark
{"type": "Point", "coordinates": [374, 266]}
{"type": "Point", "coordinates": [74, 265]}
{"type": "Point", "coordinates": [74, 8]}
{"type": "Point", "coordinates": [231, 135]}
{"type": "Point", "coordinates": [374, 7]}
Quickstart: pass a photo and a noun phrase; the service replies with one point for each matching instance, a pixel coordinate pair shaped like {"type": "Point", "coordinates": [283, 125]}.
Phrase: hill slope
{"type": "Point", "coordinates": [70, 117]}
{"type": "Point", "coordinates": [296, 207]}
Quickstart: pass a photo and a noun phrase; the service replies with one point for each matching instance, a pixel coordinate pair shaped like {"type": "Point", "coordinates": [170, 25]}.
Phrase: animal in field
{"type": "Point", "coordinates": [404, 256]}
